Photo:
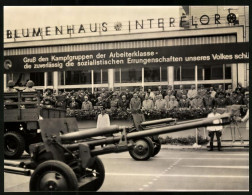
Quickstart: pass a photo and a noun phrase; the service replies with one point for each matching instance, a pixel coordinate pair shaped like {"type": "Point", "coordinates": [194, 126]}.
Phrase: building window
{"type": "Point", "coordinates": [104, 76]}
{"type": "Point", "coordinates": [37, 78]}
{"type": "Point", "coordinates": [78, 77]}
{"type": "Point", "coordinates": [152, 74]}
{"type": "Point", "coordinates": [213, 72]}
{"type": "Point", "coordinates": [49, 78]}
{"type": "Point", "coordinates": [128, 75]}
{"type": "Point", "coordinates": [184, 73]}
{"type": "Point", "coordinates": [164, 73]}
{"type": "Point", "coordinates": [97, 76]}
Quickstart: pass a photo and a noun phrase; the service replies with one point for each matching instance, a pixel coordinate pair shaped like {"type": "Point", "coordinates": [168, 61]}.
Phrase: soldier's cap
{"type": "Point", "coordinates": [11, 83]}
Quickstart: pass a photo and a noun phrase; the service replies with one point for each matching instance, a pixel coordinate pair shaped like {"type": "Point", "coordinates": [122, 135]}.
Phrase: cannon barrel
{"type": "Point", "coordinates": [90, 133]}
{"type": "Point", "coordinates": [154, 122]}
{"type": "Point", "coordinates": [162, 130]}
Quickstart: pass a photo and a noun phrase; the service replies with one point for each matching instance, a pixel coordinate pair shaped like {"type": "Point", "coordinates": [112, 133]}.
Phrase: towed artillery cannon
{"type": "Point", "coordinates": [67, 159]}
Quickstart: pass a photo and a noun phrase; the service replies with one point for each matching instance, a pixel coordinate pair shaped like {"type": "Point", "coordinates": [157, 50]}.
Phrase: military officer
{"type": "Point", "coordinates": [11, 85]}
{"type": "Point", "coordinates": [148, 103]}
{"type": "Point", "coordinates": [135, 103]}
{"type": "Point", "coordinates": [197, 102]}
{"type": "Point", "coordinates": [208, 101]}
{"type": "Point", "coordinates": [86, 105]}
{"type": "Point", "coordinates": [235, 99]}
{"type": "Point", "coordinates": [221, 101]}
{"type": "Point", "coordinates": [160, 103]}
{"type": "Point", "coordinates": [184, 102]}
{"type": "Point", "coordinates": [173, 103]}
{"type": "Point", "coordinates": [192, 92]}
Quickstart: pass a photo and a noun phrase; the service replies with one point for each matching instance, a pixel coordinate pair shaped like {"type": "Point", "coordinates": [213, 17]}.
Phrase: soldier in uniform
{"type": "Point", "coordinates": [202, 91]}
{"type": "Point", "coordinates": [221, 101]}
{"type": "Point", "coordinates": [73, 104]}
{"type": "Point", "coordinates": [114, 102]}
{"type": "Point", "coordinates": [148, 103]}
{"type": "Point", "coordinates": [197, 102]}
{"type": "Point", "coordinates": [173, 103]}
{"type": "Point", "coordinates": [229, 90]}
{"type": "Point", "coordinates": [160, 103]}
{"type": "Point", "coordinates": [135, 103]}
{"type": "Point", "coordinates": [184, 102]}
{"type": "Point", "coordinates": [86, 105]}
{"type": "Point", "coordinates": [124, 103]}
{"type": "Point", "coordinates": [235, 99]}
{"type": "Point", "coordinates": [180, 92]}
{"type": "Point", "coordinates": [213, 92]}
{"type": "Point", "coordinates": [11, 85]}
{"type": "Point", "coordinates": [208, 101]}
{"type": "Point", "coordinates": [192, 92]}
{"type": "Point", "coordinates": [29, 86]}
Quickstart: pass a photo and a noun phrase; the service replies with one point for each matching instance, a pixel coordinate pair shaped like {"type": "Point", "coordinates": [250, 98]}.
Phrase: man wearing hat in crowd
{"type": "Point", "coordinates": [202, 91]}
{"type": "Point", "coordinates": [123, 103]}
{"type": "Point", "coordinates": [86, 105]}
{"type": "Point", "coordinates": [180, 92]}
{"type": "Point", "coordinates": [221, 101]}
{"type": "Point", "coordinates": [229, 90]}
{"type": "Point", "coordinates": [214, 130]}
{"type": "Point", "coordinates": [148, 103]}
{"type": "Point", "coordinates": [208, 101]}
{"type": "Point", "coordinates": [10, 86]}
{"type": "Point", "coordinates": [184, 102]}
{"type": "Point", "coordinates": [197, 102]}
{"type": "Point", "coordinates": [192, 92]}
{"type": "Point", "coordinates": [135, 103]}
{"type": "Point", "coordinates": [235, 99]}
{"type": "Point", "coordinates": [160, 103]}
{"type": "Point", "coordinates": [114, 101]}
{"type": "Point", "coordinates": [29, 86]}
{"type": "Point", "coordinates": [173, 103]}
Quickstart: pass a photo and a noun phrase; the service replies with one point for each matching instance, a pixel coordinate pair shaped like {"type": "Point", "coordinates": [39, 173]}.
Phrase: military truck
{"type": "Point", "coordinates": [21, 114]}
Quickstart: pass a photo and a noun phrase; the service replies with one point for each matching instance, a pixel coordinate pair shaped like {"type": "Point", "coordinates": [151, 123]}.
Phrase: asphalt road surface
{"type": "Point", "coordinates": [170, 170]}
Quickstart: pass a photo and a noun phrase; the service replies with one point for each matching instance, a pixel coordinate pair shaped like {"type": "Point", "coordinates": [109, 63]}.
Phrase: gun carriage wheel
{"type": "Point", "coordinates": [143, 149]}
{"type": "Point", "coordinates": [157, 146]}
{"type": "Point", "coordinates": [14, 145]}
{"type": "Point", "coordinates": [53, 175]}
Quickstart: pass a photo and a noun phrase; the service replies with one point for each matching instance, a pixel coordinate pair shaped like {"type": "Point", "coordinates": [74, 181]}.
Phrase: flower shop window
{"type": "Point", "coordinates": [37, 78]}
{"type": "Point", "coordinates": [78, 77]}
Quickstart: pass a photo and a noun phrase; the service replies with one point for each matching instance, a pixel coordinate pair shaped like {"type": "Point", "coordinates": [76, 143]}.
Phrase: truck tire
{"type": "Point", "coordinates": [53, 175]}
{"type": "Point", "coordinates": [143, 149]}
{"type": "Point", "coordinates": [14, 145]}
{"type": "Point", "coordinates": [96, 170]}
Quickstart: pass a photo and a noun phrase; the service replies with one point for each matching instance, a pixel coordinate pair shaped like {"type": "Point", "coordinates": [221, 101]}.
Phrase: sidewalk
{"type": "Point", "coordinates": [226, 145]}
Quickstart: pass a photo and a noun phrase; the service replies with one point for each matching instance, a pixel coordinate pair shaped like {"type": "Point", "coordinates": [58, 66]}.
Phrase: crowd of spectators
{"type": "Point", "coordinates": [147, 101]}
{"type": "Point", "coordinates": [150, 102]}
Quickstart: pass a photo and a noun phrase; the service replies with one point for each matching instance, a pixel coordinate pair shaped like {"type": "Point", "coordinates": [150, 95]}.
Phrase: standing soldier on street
{"type": "Point", "coordinates": [214, 130]}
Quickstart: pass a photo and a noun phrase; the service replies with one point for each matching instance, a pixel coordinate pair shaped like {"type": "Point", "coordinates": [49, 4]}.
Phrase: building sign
{"type": "Point", "coordinates": [105, 28]}
{"type": "Point", "coordinates": [124, 58]}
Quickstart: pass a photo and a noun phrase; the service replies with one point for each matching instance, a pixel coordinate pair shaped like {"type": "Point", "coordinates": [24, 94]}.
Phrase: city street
{"type": "Point", "coordinates": [170, 170]}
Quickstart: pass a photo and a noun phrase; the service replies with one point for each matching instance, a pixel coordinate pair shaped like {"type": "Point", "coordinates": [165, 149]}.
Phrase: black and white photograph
{"type": "Point", "coordinates": [126, 98]}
